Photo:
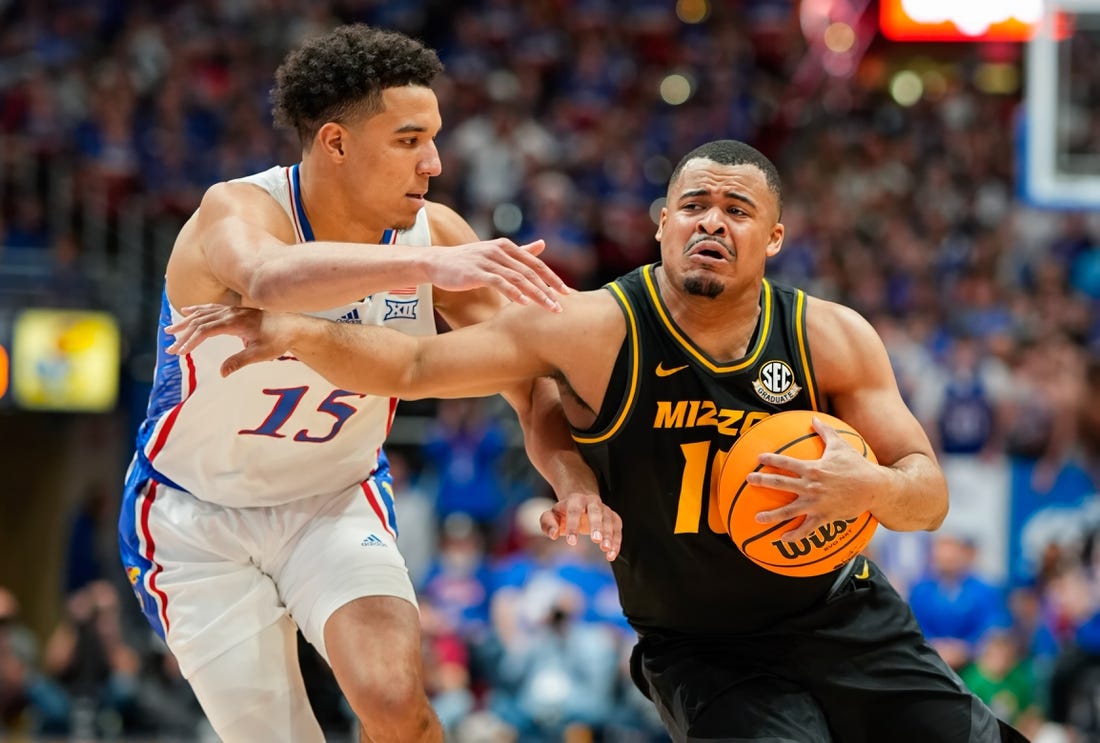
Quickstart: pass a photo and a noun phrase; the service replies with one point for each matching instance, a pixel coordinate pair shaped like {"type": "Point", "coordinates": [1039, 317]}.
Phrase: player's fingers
{"type": "Point", "coordinates": [800, 532]}
{"type": "Point", "coordinates": [548, 522]}
{"type": "Point", "coordinates": [774, 480]}
{"type": "Point", "coordinates": [528, 282]}
{"type": "Point", "coordinates": [508, 289]}
{"type": "Point", "coordinates": [595, 511]}
{"type": "Point", "coordinates": [573, 512]}
{"type": "Point", "coordinates": [534, 247]}
{"type": "Point", "coordinates": [188, 335]}
{"type": "Point", "coordinates": [251, 354]}
{"type": "Point", "coordinates": [776, 515]}
{"type": "Point", "coordinates": [827, 433]}
{"type": "Point", "coordinates": [612, 534]}
{"type": "Point", "coordinates": [528, 254]}
{"type": "Point", "coordinates": [783, 462]}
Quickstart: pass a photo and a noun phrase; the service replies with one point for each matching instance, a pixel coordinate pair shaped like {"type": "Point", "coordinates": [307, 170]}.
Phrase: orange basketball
{"type": "Point", "coordinates": [790, 433]}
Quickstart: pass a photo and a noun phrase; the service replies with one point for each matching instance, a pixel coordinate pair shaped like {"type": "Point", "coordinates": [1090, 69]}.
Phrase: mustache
{"type": "Point", "coordinates": [709, 239]}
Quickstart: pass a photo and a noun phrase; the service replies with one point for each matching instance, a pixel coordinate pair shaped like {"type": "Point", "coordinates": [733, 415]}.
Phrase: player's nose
{"type": "Point", "coordinates": [710, 222]}
{"type": "Point", "coordinates": [430, 164]}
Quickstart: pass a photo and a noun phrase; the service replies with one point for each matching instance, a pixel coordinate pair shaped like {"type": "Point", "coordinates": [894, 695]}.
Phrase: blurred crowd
{"type": "Point", "coordinates": [556, 126]}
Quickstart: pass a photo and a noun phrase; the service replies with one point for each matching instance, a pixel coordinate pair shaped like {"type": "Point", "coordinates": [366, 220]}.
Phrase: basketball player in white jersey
{"type": "Point", "coordinates": [261, 503]}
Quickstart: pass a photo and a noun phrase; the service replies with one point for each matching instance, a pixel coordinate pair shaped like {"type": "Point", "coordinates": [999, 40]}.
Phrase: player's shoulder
{"type": "Point", "coordinates": [592, 307]}
{"type": "Point", "coordinates": [826, 316]}
{"type": "Point", "coordinates": [245, 200]}
{"type": "Point", "coordinates": [447, 226]}
{"type": "Point", "coordinates": [842, 341]}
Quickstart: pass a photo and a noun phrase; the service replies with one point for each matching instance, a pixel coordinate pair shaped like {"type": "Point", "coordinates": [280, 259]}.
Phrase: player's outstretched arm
{"type": "Point", "coordinates": [473, 362]}
{"type": "Point", "coordinates": [238, 229]}
{"type": "Point", "coordinates": [537, 402]}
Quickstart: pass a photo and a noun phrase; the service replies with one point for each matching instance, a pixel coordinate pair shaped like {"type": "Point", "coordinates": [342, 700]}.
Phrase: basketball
{"type": "Point", "coordinates": [789, 433]}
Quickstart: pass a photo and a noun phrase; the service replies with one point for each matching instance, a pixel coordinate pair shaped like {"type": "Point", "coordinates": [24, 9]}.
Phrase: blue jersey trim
{"type": "Point", "coordinates": [303, 220]}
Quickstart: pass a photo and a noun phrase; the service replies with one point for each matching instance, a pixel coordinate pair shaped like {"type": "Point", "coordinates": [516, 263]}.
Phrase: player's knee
{"type": "Point", "coordinates": [388, 703]}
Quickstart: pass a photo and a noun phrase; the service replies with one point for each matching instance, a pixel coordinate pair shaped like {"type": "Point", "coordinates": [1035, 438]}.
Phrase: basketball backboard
{"type": "Point", "coordinates": [1060, 133]}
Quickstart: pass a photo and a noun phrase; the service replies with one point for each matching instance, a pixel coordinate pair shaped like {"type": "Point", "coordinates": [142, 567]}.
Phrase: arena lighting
{"type": "Point", "coordinates": [3, 371]}
{"type": "Point", "coordinates": [959, 20]}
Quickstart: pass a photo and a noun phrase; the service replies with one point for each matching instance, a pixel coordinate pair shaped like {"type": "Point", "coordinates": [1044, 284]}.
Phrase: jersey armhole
{"type": "Point", "coordinates": [622, 387]}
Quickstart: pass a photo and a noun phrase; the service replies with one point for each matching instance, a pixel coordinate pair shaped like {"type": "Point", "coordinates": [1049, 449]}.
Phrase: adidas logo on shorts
{"type": "Point", "coordinates": [372, 541]}
{"type": "Point", "coordinates": [352, 317]}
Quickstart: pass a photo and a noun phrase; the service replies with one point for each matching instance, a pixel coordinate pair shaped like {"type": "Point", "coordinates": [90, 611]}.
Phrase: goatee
{"type": "Point", "coordinates": [702, 287]}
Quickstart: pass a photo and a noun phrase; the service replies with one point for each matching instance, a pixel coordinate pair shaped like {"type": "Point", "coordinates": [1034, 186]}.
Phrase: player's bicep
{"type": "Point", "coordinates": [854, 373]}
{"type": "Point", "coordinates": [235, 223]}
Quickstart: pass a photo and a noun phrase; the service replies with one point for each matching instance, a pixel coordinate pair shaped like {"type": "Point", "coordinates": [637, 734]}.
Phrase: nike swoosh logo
{"type": "Point", "coordinates": [663, 372]}
{"type": "Point", "coordinates": [865, 573]}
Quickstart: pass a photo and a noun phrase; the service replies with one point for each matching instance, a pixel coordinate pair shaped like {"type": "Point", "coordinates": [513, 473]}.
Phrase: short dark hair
{"type": "Point", "coordinates": [735, 152]}
{"type": "Point", "coordinates": [343, 73]}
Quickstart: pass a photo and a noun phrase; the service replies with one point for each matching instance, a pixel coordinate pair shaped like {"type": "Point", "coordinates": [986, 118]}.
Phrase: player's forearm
{"type": "Point", "coordinates": [547, 439]}
{"type": "Point", "coordinates": [368, 359]}
{"type": "Point", "coordinates": [308, 277]}
{"type": "Point", "coordinates": [914, 496]}
{"type": "Point", "coordinates": [297, 278]}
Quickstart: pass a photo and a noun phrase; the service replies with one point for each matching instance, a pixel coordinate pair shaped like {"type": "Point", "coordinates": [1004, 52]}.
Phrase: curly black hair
{"type": "Point", "coordinates": [734, 152]}
{"type": "Point", "coordinates": [343, 72]}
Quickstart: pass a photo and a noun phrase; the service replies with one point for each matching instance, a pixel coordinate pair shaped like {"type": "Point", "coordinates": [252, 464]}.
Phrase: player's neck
{"type": "Point", "coordinates": [721, 326]}
{"type": "Point", "coordinates": [330, 213]}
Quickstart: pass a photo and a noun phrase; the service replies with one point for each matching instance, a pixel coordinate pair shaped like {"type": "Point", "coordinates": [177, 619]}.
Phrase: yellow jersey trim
{"type": "Point", "coordinates": [635, 361]}
{"type": "Point", "coordinates": [688, 346]}
{"type": "Point", "coordinates": [803, 348]}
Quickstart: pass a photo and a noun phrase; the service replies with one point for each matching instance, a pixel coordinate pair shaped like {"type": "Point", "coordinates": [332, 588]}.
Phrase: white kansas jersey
{"type": "Point", "coordinates": [274, 431]}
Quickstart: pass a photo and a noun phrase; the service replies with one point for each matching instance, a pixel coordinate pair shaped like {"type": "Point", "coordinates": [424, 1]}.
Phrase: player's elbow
{"type": "Point", "coordinates": [939, 505]}
{"type": "Point", "coordinates": [268, 288]}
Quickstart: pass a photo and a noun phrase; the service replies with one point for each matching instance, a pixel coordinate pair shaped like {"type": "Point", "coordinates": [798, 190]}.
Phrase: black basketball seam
{"type": "Point", "coordinates": [733, 502]}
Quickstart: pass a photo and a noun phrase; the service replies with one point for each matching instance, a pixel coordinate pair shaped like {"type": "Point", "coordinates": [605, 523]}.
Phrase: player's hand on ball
{"type": "Point", "coordinates": [584, 513]}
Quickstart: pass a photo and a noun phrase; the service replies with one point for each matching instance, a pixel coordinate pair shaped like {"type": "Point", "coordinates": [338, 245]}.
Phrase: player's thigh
{"type": "Point", "coordinates": [704, 697]}
{"type": "Point", "coordinates": [254, 691]}
{"type": "Point", "coordinates": [192, 566]}
{"type": "Point", "coordinates": [877, 676]}
{"type": "Point", "coordinates": [344, 552]}
{"type": "Point", "coordinates": [374, 649]}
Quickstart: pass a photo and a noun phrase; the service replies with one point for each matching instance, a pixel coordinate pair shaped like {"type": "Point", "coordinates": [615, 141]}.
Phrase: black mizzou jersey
{"type": "Point", "coordinates": [658, 448]}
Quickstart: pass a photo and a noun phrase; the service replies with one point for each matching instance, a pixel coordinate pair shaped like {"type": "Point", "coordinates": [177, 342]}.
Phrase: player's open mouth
{"type": "Point", "coordinates": [416, 196]}
{"type": "Point", "coordinates": [709, 249]}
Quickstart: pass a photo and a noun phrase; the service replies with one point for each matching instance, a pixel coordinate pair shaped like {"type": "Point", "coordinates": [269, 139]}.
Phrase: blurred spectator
{"type": "Point", "coordinates": [447, 675]}
{"type": "Point", "coordinates": [1004, 680]}
{"type": "Point", "coordinates": [553, 215]}
{"type": "Point", "coordinates": [954, 606]}
{"type": "Point", "coordinates": [464, 448]}
{"type": "Point", "coordinates": [457, 583]}
{"type": "Point", "coordinates": [418, 525]}
{"type": "Point", "coordinates": [559, 673]}
{"type": "Point", "coordinates": [30, 703]}
{"type": "Point", "coordinates": [89, 656]}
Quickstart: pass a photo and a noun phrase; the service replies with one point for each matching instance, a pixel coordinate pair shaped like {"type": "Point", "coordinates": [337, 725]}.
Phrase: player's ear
{"type": "Point", "coordinates": [330, 137]}
{"type": "Point", "coordinates": [661, 222]}
{"type": "Point", "coordinates": [775, 242]}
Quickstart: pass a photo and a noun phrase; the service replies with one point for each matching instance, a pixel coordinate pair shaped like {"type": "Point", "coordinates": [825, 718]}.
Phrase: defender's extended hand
{"type": "Point", "coordinates": [840, 485]}
{"type": "Point", "coordinates": [582, 513]}
{"type": "Point", "coordinates": [266, 335]}
{"type": "Point", "coordinates": [513, 270]}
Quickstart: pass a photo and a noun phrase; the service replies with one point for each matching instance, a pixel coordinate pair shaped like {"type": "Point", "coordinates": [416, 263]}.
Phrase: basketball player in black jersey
{"type": "Point", "coordinates": [661, 371]}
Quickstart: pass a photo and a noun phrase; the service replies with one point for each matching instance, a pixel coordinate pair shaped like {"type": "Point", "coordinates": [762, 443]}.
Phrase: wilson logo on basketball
{"type": "Point", "coordinates": [820, 539]}
{"type": "Point", "coordinates": [776, 384]}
